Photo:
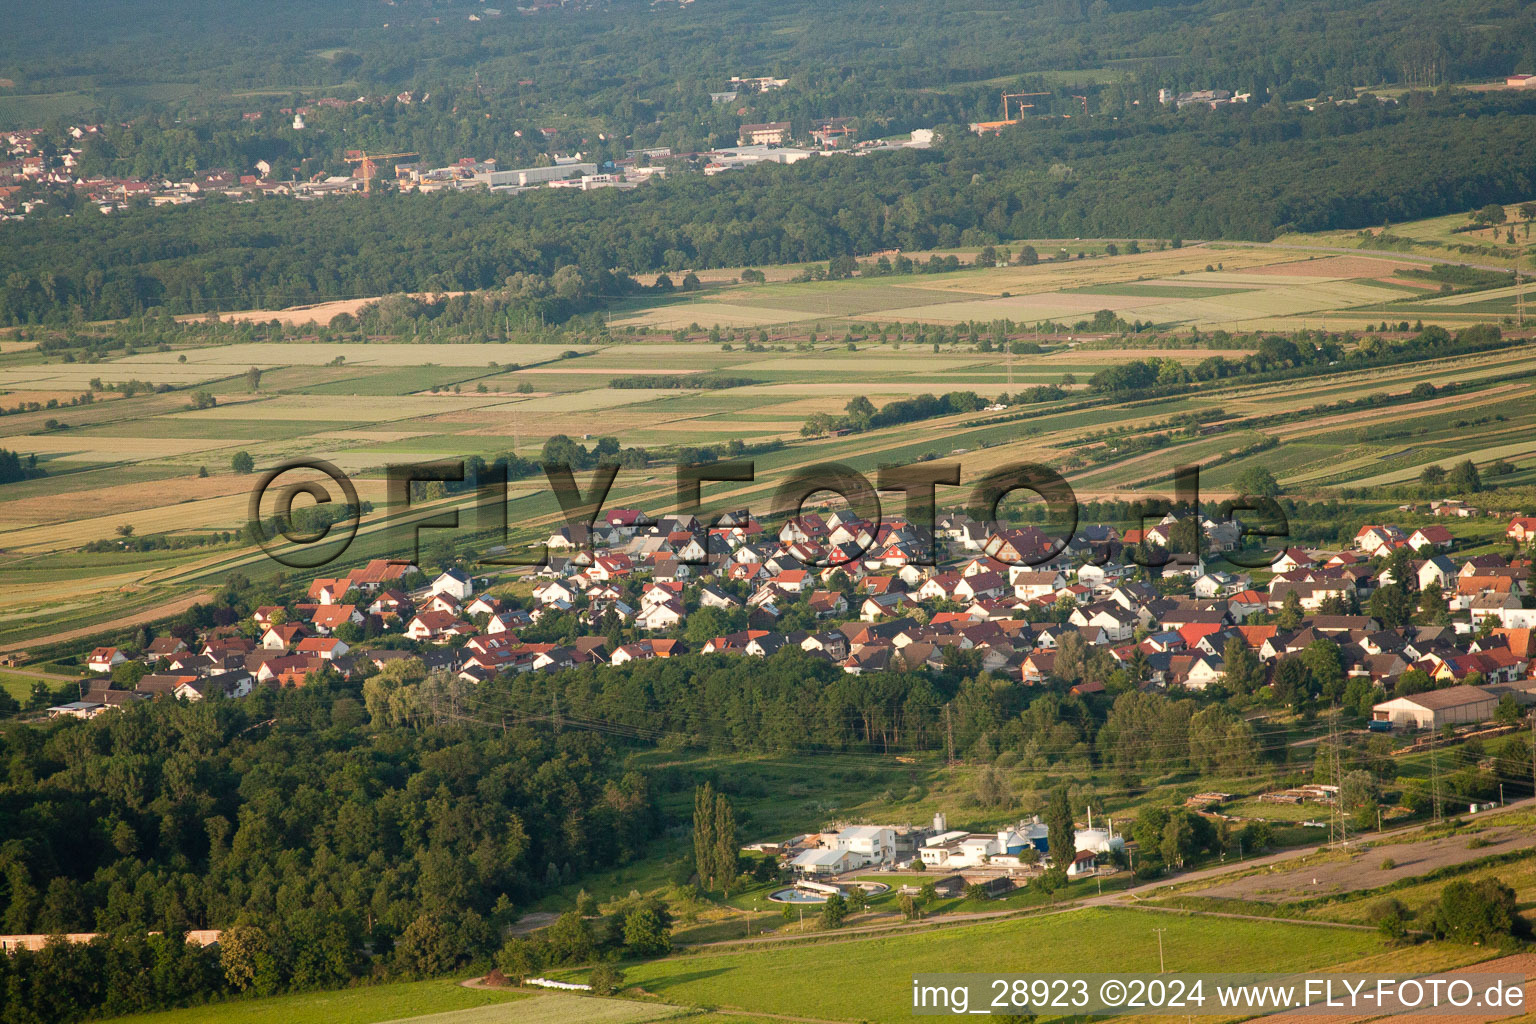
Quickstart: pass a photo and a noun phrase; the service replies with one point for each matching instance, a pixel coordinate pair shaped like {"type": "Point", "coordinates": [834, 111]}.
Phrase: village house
{"type": "Point", "coordinates": [104, 659]}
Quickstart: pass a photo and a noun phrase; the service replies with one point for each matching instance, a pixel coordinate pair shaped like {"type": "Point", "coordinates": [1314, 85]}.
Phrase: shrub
{"type": "Point", "coordinates": [1476, 913]}
{"type": "Point", "coordinates": [606, 979]}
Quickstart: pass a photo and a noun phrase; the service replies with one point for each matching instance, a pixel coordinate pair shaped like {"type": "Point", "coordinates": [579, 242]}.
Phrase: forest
{"type": "Point", "coordinates": [644, 73]}
{"type": "Point", "coordinates": [346, 849]}
{"type": "Point", "coordinates": [1239, 173]}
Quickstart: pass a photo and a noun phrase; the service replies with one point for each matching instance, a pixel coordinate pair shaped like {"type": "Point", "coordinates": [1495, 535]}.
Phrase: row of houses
{"type": "Point", "coordinates": [880, 608]}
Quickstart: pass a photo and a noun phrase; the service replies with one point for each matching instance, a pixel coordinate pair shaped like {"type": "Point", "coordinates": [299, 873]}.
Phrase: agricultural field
{"type": "Point", "coordinates": [867, 979]}
{"type": "Point", "coordinates": [1451, 237]}
{"type": "Point", "coordinates": [1231, 286]}
{"type": "Point", "coordinates": [426, 1002]}
{"type": "Point", "coordinates": [371, 1004]}
{"type": "Point", "coordinates": [141, 458]}
{"type": "Point", "coordinates": [430, 1002]}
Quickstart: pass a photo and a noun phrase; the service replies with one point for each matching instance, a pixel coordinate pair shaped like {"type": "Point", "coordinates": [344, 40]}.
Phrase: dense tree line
{"type": "Point", "coordinates": [292, 818]}
{"type": "Point", "coordinates": [795, 703]}
{"type": "Point", "coordinates": [687, 381]}
{"type": "Point", "coordinates": [861, 414]}
{"type": "Point", "coordinates": [1263, 170]}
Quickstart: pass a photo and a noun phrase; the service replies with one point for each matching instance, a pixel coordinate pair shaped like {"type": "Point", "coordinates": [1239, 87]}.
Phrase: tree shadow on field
{"type": "Point", "coordinates": [658, 985]}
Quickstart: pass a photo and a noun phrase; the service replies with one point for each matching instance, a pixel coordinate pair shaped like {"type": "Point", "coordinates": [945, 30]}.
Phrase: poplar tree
{"type": "Point", "coordinates": [723, 867]}
{"type": "Point", "coordinates": [704, 832]}
{"type": "Point", "coordinates": [1059, 828]}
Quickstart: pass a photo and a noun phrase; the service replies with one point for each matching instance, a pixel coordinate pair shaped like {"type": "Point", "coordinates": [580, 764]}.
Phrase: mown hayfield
{"type": "Point", "coordinates": [1337, 267]}
{"type": "Point", "coordinates": [708, 313]}
{"type": "Point", "coordinates": [221, 513]}
{"type": "Point", "coordinates": [1019, 308]}
{"type": "Point", "coordinates": [1473, 298]}
{"type": "Point", "coordinates": [1091, 360]}
{"type": "Point", "coordinates": [343, 408]}
{"type": "Point", "coordinates": [586, 401]}
{"type": "Point", "coordinates": [111, 495]}
{"type": "Point", "coordinates": [635, 356]}
{"type": "Point", "coordinates": [24, 397]}
{"type": "Point", "coordinates": [358, 381]}
{"type": "Point", "coordinates": [863, 297]}
{"type": "Point", "coordinates": [1434, 235]}
{"type": "Point", "coordinates": [74, 478]}
{"type": "Point", "coordinates": [365, 1005]}
{"type": "Point", "coordinates": [76, 377]}
{"type": "Point", "coordinates": [1287, 300]}
{"type": "Point", "coordinates": [497, 1007]}
{"type": "Point", "coordinates": [1247, 286]}
{"type": "Point", "coordinates": [227, 428]}
{"type": "Point", "coordinates": [1053, 275]}
{"type": "Point", "coordinates": [880, 391]}
{"type": "Point", "coordinates": [1396, 380]}
{"type": "Point", "coordinates": [871, 979]}
{"type": "Point", "coordinates": [166, 510]}
{"type": "Point", "coordinates": [1161, 290]}
{"type": "Point", "coordinates": [100, 448]}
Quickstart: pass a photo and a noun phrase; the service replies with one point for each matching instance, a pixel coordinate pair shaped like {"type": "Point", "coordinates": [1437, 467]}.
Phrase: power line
{"type": "Point", "coordinates": [1434, 768]}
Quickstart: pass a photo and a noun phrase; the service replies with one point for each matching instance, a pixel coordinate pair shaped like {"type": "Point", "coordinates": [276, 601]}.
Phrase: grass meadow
{"type": "Point", "coordinates": [870, 979]}
{"type": "Point", "coordinates": [371, 1004]}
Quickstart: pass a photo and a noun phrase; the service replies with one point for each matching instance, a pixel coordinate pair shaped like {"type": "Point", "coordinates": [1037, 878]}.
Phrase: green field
{"type": "Point", "coordinates": [428, 1002]}
{"type": "Point", "coordinates": [370, 1004]}
{"type": "Point", "coordinates": [1229, 285]}
{"type": "Point", "coordinates": [1441, 237]}
{"type": "Point", "coordinates": [35, 108]}
{"type": "Point", "coordinates": [871, 979]}
{"type": "Point", "coordinates": [17, 686]}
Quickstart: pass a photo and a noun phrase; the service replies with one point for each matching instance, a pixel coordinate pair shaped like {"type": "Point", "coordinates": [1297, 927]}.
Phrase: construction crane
{"type": "Point", "coordinates": [1019, 96]}
{"type": "Point", "coordinates": [1085, 103]}
{"type": "Point", "coordinates": [358, 156]}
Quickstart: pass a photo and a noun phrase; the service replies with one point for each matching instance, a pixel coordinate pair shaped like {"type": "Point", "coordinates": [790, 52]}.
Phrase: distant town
{"type": "Point", "coordinates": [25, 162]}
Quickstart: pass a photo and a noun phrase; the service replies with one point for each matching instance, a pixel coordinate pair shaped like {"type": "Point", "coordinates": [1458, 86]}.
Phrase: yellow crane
{"type": "Point", "coordinates": [358, 156]}
{"type": "Point", "coordinates": [1019, 96]}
